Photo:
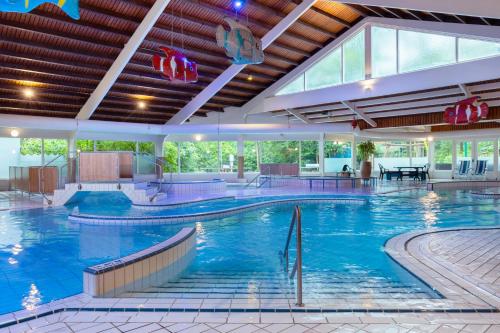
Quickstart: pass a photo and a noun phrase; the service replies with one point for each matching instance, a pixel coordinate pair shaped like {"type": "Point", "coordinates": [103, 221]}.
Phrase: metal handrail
{"type": "Point", "coordinates": [253, 180]}
{"type": "Point", "coordinates": [297, 266]}
{"type": "Point", "coordinates": [41, 178]}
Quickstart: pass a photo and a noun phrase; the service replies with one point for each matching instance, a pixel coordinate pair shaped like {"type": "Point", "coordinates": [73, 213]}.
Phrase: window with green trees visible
{"type": "Point", "coordinates": [384, 51]}
{"type": "Point", "coordinates": [85, 146]}
{"type": "Point", "coordinates": [419, 50]}
{"type": "Point", "coordinates": [251, 153]}
{"type": "Point", "coordinates": [229, 156]}
{"type": "Point", "coordinates": [337, 154]}
{"type": "Point", "coordinates": [199, 156]}
{"type": "Point", "coordinates": [170, 154]}
{"type": "Point", "coordinates": [325, 73]}
{"type": "Point", "coordinates": [354, 58]}
{"type": "Point", "coordinates": [443, 154]}
{"type": "Point", "coordinates": [279, 152]}
{"type": "Point", "coordinates": [106, 145]}
{"type": "Point", "coordinates": [486, 151]}
{"type": "Point", "coordinates": [147, 148]}
{"type": "Point", "coordinates": [309, 156]}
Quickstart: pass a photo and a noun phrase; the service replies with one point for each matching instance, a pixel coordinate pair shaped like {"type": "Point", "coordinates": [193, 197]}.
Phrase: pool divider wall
{"type": "Point", "coordinates": [461, 184]}
{"type": "Point", "coordinates": [153, 266]}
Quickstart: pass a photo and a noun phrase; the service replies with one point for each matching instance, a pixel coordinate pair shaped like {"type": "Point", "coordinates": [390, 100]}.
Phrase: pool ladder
{"type": "Point", "coordinates": [297, 266]}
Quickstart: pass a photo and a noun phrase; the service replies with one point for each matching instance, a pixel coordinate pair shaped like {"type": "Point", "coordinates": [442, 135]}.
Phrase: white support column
{"type": "Point", "coordinates": [72, 145]}
{"type": "Point", "coordinates": [322, 154]}
{"type": "Point", "coordinates": [496, 158]}
{"type": "Point", "coordinates": [216, 85]}
{"type": "Point", "coordinates": [431, 155]}
{"type": "Point", "coordinates": [123, 58]}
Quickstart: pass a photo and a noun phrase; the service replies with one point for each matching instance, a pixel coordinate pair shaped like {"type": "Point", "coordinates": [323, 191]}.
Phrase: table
{"type": "Point", "coordinates": [372, 180]}
{"type": "Point", "coordinates": [418, 171]}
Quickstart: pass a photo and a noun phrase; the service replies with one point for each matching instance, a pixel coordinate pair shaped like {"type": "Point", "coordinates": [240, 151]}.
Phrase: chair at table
{"type": "Point", "coordinates": [480, 169]}
{"type": "Point", "coordinates": [464, 169]}
{"type": "Point", "coordinates": [425, 172]}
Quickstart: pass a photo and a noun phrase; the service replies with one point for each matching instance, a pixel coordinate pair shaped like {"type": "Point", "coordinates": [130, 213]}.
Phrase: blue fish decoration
{"type": "Point", "coordinates": [70, 7]}
{"type": "Point", "coordinates": [239, 43]}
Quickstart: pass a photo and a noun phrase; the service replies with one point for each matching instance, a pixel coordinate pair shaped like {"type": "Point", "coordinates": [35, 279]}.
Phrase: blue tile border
{"type": "Point", "coordinates": [181, 204]}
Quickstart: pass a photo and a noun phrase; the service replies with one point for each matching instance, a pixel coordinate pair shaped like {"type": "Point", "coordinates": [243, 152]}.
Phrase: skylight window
{"type": "Point", "coordinates": [326, 73]}
{"type": "Point", "coordinates": [471, 49]}
{"type": "Point", "coordinates": [384, 52]}
{"type": "Point", "coordinates": [293, 87]}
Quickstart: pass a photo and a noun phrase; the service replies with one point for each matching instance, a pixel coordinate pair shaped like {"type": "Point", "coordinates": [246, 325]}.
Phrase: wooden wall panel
{"type": "Point", "coordinates": [126, 164]}
{"type": "Point", "coordinates": [99, 167]}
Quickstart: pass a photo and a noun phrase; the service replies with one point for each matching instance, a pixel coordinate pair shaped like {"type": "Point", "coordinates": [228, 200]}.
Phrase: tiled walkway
{"type": "Point", "coordinates": [462, 265]}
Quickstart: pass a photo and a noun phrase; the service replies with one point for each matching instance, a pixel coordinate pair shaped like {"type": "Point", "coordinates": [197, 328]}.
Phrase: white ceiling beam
{"type": "Point", "coordinates": [360, 113]}
{"type": "Point", "coordinates": [299, 116]}
{"type": "Point", "coordinates": [216, 85]}
{"type": "Point", "coordinates": [438, 77]}
{"type": "Point", "coordinates": [465, 90]}
{"type": "Point", "coordinates": [122, 60]}
{"type": "Point", "coordinates": [481, 8]}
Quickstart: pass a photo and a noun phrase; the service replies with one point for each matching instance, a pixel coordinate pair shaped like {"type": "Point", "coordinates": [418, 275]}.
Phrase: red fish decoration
{"type": "Point", "coordinates": [176, 66]}
{"type": "Point", "coordinates": [466, 112]}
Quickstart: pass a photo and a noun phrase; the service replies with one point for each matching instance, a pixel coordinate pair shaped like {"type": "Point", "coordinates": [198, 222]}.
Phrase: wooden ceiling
{"type": "Point", "coordinates": [63, 60]}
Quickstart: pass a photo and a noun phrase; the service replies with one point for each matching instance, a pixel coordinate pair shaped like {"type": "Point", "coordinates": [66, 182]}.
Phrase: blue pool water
{"type": "Point", "coordinates": [42, 254]}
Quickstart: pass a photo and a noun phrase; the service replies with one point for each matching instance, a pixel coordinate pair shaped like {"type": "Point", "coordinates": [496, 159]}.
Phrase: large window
{"type": "Point", "coordinates": [469, 49]}
{"type": "Point", "coordinates": [384, 52]}
{"type": "Point", "coordinates": [199, 156]}
{"type": "Point", "coordinates": [229, 156]}
{"type": "Point", "coordinates": [251, 153]}
{"type": "Point", "coordinates": [486, 151]}
{"type": "Point", "coordinates": [464, 151]}
{"type": "Point", "coordinates": [326, 73]}
{"type": "Point", "coordinates": [147, 148]}
{"type": "Point", "coordinates": [106, 145]}
{"type": "Point", "coordinates": [337, 154]}
{"type": "Point", "coordinates": [392, 51]}
{"type": "Point", "coordinates": [170, 154]}
{"type": "Point", "coordinates": [392, 154]}
{"type": "Point", "coordinates": [309, 156]}
{"type": "Point", "coordinates": [419, 153]}
{"type": "Point", "coordinates": [354, 58]}
{"type": "Point", "coordinates": [10, 149]}
{"type": "Point", "coordinates": [443, 154]}
{"type": "Point", "coordinates": [280, 152]}
{"type": "Point", "coordinates": [295, 86]}
{"type": "Point", "coordinates": [418, 50]}
{"type": "Point", "coordinates": [85, 145]}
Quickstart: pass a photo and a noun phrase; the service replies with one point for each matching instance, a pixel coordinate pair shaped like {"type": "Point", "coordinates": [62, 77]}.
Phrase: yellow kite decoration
{"type": "Point", "coordinates": [70, 7]}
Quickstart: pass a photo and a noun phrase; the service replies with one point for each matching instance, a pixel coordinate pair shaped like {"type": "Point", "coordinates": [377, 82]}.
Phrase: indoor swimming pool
{"type": "Point", "coordinates": [42, 254]}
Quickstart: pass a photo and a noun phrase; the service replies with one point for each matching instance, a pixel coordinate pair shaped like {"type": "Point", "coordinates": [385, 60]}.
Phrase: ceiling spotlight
{"type": "Point", "coordinates": [197, 137]}
{"type": "Point", "coordinates": [14, 133]}
{"type": "Point", "coordinates": [250, 78]}
{"type": "Point", "coordinates": [238, 4]}
{"type": "Point", "coordinates": [141, 105]}
{"type": "Point", "coordinates": [28, 93]}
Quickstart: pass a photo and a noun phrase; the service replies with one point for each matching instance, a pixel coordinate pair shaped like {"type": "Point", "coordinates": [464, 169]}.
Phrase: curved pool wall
{"type": "Point", "coordinates": [42, 256]}
{"type": "Point", "coordinates": [192, 187]}
{"type": "Point", "coordinates": [188, 217]}
{"type": "Point", "coordinates": [157, 264]}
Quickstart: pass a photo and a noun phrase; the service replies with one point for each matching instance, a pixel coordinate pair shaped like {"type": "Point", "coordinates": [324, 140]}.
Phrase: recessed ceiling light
{"type": "Point", "coordinates": [14, 133]}
{"type": "Point", "coordinates": [28, 93]}
{"type": "Point", "coordinates": [141, 105]}
{"type": "Point", "coordinates": [197, 137]}
{"type": "Point", "coordinates": [250, 78]}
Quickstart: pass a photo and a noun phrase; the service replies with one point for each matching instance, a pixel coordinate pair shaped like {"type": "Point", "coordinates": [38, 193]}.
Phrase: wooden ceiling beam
{"type": "Point", "coordinates": [251, 21]}
{"type": "Point", "coordinates": [271, 11]}
{"type": "Point", "coordinates": [177, 17]}
{"type": "Point", "coordinates": [334, 18]}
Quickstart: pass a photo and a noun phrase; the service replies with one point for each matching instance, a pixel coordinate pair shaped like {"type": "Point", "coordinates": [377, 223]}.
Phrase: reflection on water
{"type": "Point", "coordinates": [34, 298]}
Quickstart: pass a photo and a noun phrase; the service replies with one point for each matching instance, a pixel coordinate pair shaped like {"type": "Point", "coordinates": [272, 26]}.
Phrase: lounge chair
{"type": "Point", "coordinates": [480, 169]}
{"type": "Point", "coordinates": [464, 169]}
{"type": "Point", "coordinates": [425, 172]}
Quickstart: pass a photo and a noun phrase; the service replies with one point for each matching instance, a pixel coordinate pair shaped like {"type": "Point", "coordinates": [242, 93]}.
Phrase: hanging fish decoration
{"type": "Point", "coordinates": [239, 43]}
{"type": "Point", "coordinates": [176, 66]}
{"type": "Point", "coordinates": [70, 7]}
{"type": "Point", "coordinates": [467, 111]}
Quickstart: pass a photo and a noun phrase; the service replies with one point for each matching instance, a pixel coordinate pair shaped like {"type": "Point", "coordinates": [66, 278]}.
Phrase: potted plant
{"type": "Point", "coordinates": [366, 150]}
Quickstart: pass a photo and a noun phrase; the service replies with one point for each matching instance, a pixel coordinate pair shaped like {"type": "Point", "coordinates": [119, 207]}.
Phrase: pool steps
{"type": "Point", "coordinates": [234, 285]}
